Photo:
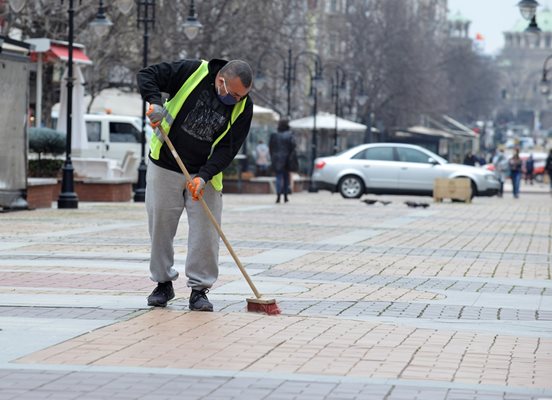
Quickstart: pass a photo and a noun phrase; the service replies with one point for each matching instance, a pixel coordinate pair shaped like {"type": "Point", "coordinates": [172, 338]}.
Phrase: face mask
{"type": "Point", "coordinates": [227, 99]}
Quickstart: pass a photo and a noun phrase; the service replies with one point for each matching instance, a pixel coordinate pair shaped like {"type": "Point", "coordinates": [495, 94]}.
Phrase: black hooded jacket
{"type": "Point", "coordinates": [200, 121]}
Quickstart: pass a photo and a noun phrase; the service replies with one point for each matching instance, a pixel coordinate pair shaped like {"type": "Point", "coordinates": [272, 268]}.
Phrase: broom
{"type": "Point", "coordinates": [254, 304]}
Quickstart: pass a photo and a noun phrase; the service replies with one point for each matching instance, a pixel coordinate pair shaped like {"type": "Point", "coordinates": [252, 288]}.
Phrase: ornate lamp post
{"type": "Point", "coordinates": [338, 84]}
{"type": "Point", "coordinates": [545, 81]}
{"type": "Point", "coordinates": [68, 198]}
{"type": "Point", "coordinates": [528, 10]}
{"type": "Point", "coordinates": [289, 70]}
{"type": "Point", "coordinates": [316, 81]}
{"type": "Point", "coordinates": [290, 75]}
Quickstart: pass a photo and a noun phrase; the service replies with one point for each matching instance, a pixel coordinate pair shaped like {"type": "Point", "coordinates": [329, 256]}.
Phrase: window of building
{"type": "Point", "coordinates": [334, 6]}
{"type": "Point", "coordinates": [333, 44]}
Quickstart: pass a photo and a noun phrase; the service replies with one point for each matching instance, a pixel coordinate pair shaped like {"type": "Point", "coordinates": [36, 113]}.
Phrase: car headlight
{"type": "Point", "coordinates": [490, 178]}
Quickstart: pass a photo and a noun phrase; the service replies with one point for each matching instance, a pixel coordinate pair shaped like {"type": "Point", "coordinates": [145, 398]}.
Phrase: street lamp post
{"type": "Point", "coordinates": [528, 10]}
{"type": "Point", "coordinates": [338, 83]}
{"type": "Point", "coordinates": [68, 198]}
{"type": "Point", "coordinates": [146, 18]}
{"type": "Point", "coordinates": [289, 70]}
{"type": "Point", "coordinates": [545, 81]}
{"type": "Point", "coordinates": [316, 79]}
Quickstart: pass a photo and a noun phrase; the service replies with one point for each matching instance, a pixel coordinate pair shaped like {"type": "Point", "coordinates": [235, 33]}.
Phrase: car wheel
{"type": "Point", "coordinates": [473, 189]}
{"type": "Point", "coordinates": [351, 187]}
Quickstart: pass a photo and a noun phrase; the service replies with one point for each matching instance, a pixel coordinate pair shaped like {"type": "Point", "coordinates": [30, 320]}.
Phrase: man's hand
{"type": "Point", "coordinates": [155, 115]}
{"type": "Point", "coordinates": [196, 187]}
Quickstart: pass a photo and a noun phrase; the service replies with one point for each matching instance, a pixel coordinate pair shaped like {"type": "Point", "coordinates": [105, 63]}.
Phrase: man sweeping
{"type": "Point", "coordinates": [207, 118]}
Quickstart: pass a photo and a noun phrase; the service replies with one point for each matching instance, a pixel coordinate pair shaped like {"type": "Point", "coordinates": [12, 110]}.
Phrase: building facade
{"type": "Point", "coordinates": [522, 106]}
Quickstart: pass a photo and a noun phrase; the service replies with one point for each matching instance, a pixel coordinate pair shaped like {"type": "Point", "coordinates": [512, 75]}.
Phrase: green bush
{"type": "Point", "coordinates": [46, 141]}
{"type": "Point", "coordinates": [45, 168]}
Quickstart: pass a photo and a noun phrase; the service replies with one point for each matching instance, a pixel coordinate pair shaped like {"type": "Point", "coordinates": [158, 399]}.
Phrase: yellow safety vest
{"type": "Point", "coordinates": [173, 106]}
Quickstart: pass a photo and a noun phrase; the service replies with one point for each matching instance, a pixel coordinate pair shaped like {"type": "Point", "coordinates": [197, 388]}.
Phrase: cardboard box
{"type": "Point", "coordinates": [454, 189]}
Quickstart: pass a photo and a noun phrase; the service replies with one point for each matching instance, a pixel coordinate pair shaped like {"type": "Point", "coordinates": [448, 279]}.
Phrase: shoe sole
{"type": "Point", "coordinates": [209, 309]}
{"type": "Point", "coordinates": [157, 304]}
{"type": "Point", "coordinates": [154, 304]}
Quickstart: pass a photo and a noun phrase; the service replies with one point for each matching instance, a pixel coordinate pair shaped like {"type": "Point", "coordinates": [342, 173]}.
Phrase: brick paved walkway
{"type": "Point", "coordinates": [379, 302]}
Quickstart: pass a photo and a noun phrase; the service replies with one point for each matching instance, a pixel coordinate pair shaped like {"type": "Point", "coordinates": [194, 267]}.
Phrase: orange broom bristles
{"type": "Point", "coordinates": [263, 306]}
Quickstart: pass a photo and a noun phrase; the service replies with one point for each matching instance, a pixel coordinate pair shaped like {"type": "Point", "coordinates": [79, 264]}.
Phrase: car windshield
{"type": "Point", "coordinates": [439, 158]}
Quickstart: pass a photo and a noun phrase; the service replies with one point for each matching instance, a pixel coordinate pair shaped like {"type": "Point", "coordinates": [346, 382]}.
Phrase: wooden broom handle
{"type": "Point", "coordinates": [210, 214]}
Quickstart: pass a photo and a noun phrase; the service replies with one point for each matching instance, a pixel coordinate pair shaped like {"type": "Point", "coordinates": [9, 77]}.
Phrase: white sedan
{"type": "Point", "coordinates": [394, 168]}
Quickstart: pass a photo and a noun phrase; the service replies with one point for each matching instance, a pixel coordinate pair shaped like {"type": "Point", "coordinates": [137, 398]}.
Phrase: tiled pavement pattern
{"type": "Point", "coordinates": [379, 302]}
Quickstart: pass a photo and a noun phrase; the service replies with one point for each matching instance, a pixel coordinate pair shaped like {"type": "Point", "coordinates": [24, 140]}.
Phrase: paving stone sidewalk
{"type": "Point", "coordinates": [453, 301]}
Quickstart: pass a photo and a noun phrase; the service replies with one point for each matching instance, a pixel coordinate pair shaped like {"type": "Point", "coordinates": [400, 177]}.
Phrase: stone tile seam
{"type": "Point", "coordinates": [281, 376]}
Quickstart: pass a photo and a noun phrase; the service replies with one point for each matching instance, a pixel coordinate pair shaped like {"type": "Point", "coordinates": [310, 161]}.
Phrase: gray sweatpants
{"type": "Point", "coordinates": [165, 202]}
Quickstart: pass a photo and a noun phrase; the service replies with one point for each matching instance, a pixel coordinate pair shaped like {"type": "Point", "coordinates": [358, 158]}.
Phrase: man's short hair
{"type": "Point", "coordinates": [283, 125]}
{"type": "Point", "coordinates": [240, 69]}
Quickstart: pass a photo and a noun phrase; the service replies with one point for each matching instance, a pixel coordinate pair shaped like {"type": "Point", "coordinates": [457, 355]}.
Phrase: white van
{"type": "Point", "coordinates": [112, 136]}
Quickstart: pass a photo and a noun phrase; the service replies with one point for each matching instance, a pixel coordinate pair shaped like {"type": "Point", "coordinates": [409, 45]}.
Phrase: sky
{"type": "Point", "coordinates": [490, 18]}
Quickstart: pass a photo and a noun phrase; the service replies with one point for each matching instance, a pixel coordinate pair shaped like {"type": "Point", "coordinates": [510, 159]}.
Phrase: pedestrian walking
{"type": "Point", "coordinates": [515, 165]}
{"type": "Point", "coordinates": [207, 117]}
{"type": "Point", "coordinates": [262, 159]}
{"type": "Point", "coordinates": [548, 168]}
{"type": "Point", "coordinates": [529, 169]}
{"type": "Point", "coordinates": [283, 157]}
{"type": "Point", "coordinates": [500, 163]}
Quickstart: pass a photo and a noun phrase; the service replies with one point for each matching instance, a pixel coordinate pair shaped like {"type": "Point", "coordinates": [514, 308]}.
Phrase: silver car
{"type": "Point", "coordinates": [394, 168]}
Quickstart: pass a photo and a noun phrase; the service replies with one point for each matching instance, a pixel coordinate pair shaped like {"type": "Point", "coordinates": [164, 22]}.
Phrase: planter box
{"type": "Point", "coordinates": [104, 189]}
{"type": "Point", "coordinates": [454, 189]}
{"type": "Point", "coordinates": [42, 192]}
{"type": "Point", "coordinates": [260, 185]}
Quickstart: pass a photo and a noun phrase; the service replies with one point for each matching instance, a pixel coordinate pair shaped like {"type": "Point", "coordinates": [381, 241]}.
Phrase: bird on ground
{"type": "Point", "coordinates": [416, 204]}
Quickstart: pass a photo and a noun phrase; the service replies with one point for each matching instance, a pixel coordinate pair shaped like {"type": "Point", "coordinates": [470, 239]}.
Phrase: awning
{"type": "Point", "coordinates": [62, 53]}
{"type": "Point", "coordinates": [11, 46]}
{"type": "Point", "coordinates": [422, 130]}
{"type": "Point", "coordinates": [53, 50]}
{"type": "Point", "coordinates": [327, 121]}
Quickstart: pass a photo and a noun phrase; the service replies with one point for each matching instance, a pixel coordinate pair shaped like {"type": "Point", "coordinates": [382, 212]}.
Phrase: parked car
{"type": "Point", "coordinates": [394, 168]}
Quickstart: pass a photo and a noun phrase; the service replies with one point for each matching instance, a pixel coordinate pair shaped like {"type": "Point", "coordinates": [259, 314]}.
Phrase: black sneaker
{"type": "Point", "coordinates": [161, 294]}
{"type": "Point", "coordinates": [199, 300]}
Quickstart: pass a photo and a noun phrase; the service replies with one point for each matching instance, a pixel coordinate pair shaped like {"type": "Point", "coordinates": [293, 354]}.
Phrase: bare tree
{"type": "Point", "coordinates": [398, 48]}
{"type": "Point", "coordinates": [472, 89]}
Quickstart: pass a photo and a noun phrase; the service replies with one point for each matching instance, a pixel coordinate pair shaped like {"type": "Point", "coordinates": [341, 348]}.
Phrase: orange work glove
{"type": "Point", "coordinates": [196, 187]}
{"type": "Point", "coordinates": [155, 115]}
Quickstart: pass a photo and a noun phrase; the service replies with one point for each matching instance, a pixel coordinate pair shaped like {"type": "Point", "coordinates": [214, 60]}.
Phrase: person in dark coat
{"type": "Point", "coordinates": [282, 147]}
{"type": "Point", "coordinates": [470, 159]}
{"type": "Point", "coordinates": [529, 169]}
{"type": "Point", "coordinates": [548, 168]}
{"type": "Point", "coordinates": [515, 164]}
